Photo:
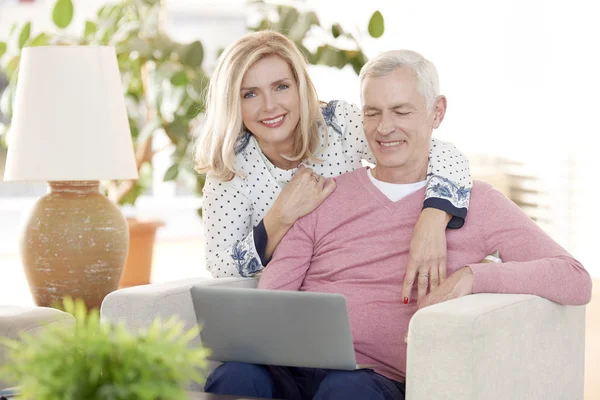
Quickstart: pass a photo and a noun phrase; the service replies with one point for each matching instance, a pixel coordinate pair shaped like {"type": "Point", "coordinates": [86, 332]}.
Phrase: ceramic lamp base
{"type": "Point", "coordinates": [73, 243]}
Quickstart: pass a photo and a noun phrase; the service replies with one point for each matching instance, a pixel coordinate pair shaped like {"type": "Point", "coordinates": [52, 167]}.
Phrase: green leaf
{"type": "Point", "coordinates": [314, 19]}
{"type": "Point", "coordinates": [199, 84]}
{"type": "Point", "coordinates": [40, 40]}
{"type": "Point", "coordinates": [331, 56]}
{"type": "Point", "coordinates": [132, 196]}
{"type": "Point", "coordinates": [2, 49]}
{"type": "Point", "coordinates": [90, 28]}
{"type": "Point", "coordinates": [192, 54]}
{"type": "Point", "coordinates": [11, 68]}
{"type": "Point", "coordinates": [102, 11]}
{"type": "Point", "coordinates": [177, 130]}
{"type": "Point", "coordinates": [301, 26]}
{"type": "Point", "coordinates": [4, 132]}
{"type": "Point", "coordinates": [24, 35]}
{"type": "Point", "coordinates": [336, 30]}
{"type": "Point", "coordinates": [162, 47]}
{"type": "Point", "coordinates": [357, 59]}
{"type": "Point", "coordinates": [139, 46]}
{"type": "Point", "coordinates": [194, 109]}
{"type": "Point", "coordinates": [288, 17]}
{"type": "Point", "coordinates": [376, 26]}
{"type": "Point", "coordinates": [62, 14]}
{"type": "Point", "coordinates": [179, 78]}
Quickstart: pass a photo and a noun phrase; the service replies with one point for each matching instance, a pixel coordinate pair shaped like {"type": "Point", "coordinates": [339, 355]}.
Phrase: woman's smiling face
{"type": "Point", "coordinates": [270, 102]}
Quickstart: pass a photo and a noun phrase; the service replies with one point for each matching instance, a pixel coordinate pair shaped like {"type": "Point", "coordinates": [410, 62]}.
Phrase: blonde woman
{"type": "Point", "coordinates": [268, 147]}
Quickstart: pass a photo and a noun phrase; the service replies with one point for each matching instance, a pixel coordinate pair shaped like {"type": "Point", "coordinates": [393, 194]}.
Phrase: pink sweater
{"type": "Point", "coordinates": [356, 243]}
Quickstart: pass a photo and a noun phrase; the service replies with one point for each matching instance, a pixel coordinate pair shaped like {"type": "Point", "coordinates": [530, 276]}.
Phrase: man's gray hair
{"type": "Point", "coordinates": [427, 77]}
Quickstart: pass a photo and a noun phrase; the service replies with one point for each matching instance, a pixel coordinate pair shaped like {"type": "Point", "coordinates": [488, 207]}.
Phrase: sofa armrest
{"type": "Point", "coordinates": [138, 306]}
{"type": "Point", "coordinates": [496, 346]}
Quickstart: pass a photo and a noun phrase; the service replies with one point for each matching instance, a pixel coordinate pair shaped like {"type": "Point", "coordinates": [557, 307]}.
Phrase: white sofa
{"type": "Point", "coordinates": [484, 346]}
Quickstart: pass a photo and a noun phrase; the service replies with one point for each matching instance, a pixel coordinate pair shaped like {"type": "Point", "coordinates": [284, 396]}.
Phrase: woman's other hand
{"type": "Point", "coordinates": [304, 193]}
{"type": "Point", "coordinates": [427, 254]}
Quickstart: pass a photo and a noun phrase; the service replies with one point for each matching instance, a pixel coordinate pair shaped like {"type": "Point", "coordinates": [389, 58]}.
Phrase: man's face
{"type": "Point", "coordinates": [398, 124]}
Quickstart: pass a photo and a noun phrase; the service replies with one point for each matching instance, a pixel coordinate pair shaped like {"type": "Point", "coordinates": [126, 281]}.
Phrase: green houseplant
{"type": "Point", "coordinates": [95, 360]}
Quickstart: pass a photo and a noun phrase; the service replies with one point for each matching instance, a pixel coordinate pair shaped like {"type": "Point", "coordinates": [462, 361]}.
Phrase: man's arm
{"type": "Point", "coordinates": [291, 259]}
{"type": "Point", "coordinates": [533, 263]}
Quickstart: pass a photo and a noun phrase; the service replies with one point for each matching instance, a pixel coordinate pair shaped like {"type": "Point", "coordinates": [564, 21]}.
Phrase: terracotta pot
{"type": "Point", "coordinates": [138, 267]}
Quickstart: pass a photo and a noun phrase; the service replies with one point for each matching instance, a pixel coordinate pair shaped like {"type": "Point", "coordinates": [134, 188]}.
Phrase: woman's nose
{"type": "Point", "coordinates": [269, 102]}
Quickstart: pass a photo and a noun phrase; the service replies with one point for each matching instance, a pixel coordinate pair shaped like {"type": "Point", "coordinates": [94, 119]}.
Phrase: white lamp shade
{"type": "Point", "coordinates": [70, 121]}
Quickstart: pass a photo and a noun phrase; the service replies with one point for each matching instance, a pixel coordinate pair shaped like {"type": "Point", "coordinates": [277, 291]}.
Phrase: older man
{"type": "Point", "coordinates": [358, 245]}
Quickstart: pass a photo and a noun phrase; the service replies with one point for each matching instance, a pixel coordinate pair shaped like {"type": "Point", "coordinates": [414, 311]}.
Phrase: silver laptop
{"type": "Point", "coordinates": [275, 327]}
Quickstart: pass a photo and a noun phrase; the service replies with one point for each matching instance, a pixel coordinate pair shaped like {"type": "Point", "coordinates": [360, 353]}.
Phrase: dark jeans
{"type": "Point", "coordinates": [301, 383]}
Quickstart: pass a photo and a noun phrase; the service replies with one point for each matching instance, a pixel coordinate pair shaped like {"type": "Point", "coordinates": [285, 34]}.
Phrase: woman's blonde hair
{"type": "Point", "coordinates": [216, 144]}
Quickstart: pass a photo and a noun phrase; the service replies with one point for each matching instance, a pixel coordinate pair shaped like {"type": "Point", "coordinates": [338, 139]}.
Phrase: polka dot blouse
{"type": "Point", "coordinates": [233, 210]}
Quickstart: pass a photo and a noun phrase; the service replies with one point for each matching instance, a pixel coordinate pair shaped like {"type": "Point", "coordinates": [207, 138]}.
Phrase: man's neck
{"type": "Point", "coordinates": [401, 175]}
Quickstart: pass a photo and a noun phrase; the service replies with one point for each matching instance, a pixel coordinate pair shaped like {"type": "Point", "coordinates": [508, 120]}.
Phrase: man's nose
{"type": "Point", "coordinates": [386, 126]}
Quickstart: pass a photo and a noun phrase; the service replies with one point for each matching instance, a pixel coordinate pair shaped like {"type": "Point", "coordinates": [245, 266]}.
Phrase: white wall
{"type": "Point", "coordinates": [517, 73]}
{"type": "Point", "coordinates": [522, 79]}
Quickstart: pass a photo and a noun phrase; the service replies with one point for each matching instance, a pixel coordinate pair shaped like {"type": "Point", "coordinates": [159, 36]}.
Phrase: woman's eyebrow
{"type": "Point", "coordinates": [278, 81]}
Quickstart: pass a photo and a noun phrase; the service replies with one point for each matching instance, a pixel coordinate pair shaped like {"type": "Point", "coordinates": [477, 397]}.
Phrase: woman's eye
{"type": "Point", "coordinates": [249, 95]}
{"type": "Point", "coordinates": [283, 86]}
{"type": "Point", "coordinates": [402, 113]}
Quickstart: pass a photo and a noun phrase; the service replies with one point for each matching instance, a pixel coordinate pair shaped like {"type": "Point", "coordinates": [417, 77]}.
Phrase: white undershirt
{"type": "Point", "coordinates": [396, 191]}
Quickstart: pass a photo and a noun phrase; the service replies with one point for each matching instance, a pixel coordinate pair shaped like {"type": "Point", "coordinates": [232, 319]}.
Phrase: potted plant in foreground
{"type": "Point", "coordinates": [94, 360]}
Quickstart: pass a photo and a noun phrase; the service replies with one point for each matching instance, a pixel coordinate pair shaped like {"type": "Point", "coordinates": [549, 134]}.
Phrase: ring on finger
{"type": "Point", "coordinates": [315, 176]}
{"type": "Point", "coordinates": [424, 275]}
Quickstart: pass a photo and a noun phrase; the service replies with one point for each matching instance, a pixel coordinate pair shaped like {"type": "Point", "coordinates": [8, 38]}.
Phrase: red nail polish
{"type": "Point", "coordinates": [406, 300]}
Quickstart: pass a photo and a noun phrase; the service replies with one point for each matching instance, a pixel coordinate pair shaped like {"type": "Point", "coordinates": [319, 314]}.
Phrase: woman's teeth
{"type": "Point", "coordinates": [272, 121]}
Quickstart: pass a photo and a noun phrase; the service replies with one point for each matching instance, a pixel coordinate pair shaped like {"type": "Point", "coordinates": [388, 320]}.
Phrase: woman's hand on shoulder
{"type": "Point", "coordinates": [303, 194]}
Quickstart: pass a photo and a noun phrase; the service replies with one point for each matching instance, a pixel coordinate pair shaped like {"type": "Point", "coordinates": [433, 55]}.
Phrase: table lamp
{"type": "Point", "coordinates": [70, 129]}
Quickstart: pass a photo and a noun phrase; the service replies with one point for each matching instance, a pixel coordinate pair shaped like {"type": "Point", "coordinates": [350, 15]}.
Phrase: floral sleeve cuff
{"type": "Point", "coordinates": [260, 242]}
{"type": "Point", "coordinates": [445, 195]}
{"type": "Point", "coordinates": [246, 258]}
{"type": "Point", "coordinates": [458, 214]}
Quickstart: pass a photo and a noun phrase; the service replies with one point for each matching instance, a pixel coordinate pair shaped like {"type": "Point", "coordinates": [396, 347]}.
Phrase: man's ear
{"type": "Point", "coordinates": [439, 110]}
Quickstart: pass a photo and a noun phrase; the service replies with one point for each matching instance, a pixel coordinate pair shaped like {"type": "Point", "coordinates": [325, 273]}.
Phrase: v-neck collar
{"type": "Point", "coordinates": [363, 177]}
